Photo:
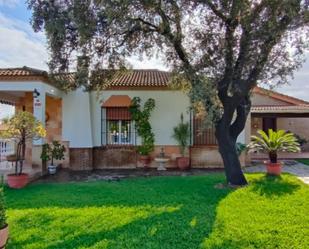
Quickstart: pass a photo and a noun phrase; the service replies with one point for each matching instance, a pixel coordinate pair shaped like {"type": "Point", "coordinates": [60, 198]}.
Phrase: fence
{"type": "Point", "coordinates": [7, 147]}
{"type": "Point", "coordinates": [203, 135]}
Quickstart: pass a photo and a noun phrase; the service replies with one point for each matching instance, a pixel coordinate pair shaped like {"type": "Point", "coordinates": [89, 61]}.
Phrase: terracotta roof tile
{"type": "Point", "coordinates": [136, 78]}
{"type": "Point", "coordinates": [129, 78]}
{"type": "Point", "coordinates": [280, 109]}
{"type": "Point", "coordinates": [140, 78]}
{"type": "Point", "coordinates": [22, 71]}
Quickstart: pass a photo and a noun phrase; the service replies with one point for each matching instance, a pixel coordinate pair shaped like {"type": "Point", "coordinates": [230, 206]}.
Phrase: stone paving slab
{"type": "Point", "coordinates": [65, 175]}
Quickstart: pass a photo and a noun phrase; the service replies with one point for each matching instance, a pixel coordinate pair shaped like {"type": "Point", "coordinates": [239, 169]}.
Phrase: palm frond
{"type": "Point", "coordinates": [274, 141]}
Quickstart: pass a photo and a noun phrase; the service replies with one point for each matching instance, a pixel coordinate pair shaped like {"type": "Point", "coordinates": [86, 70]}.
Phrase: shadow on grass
{"type": "Point", "coordinates": [271, 212]}
{"type": "Point", "coordinates": [274, 185]}
{"type": "Point", "coordinates": [164, 212]}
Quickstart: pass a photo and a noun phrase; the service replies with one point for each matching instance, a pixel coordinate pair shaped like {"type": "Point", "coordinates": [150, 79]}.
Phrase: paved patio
{"type": "Point", "coordinates": [65, 175]}
{"type": "Point", "coordinates": [281, 155]}
{"type": "Point", "coordinates": [290, 166]}
{"type": "Point", "coordinates": [7, 168]}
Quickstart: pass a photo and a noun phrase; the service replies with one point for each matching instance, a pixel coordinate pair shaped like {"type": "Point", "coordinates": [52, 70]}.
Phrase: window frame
{"type": "Point", "coordinates": [105, 141]}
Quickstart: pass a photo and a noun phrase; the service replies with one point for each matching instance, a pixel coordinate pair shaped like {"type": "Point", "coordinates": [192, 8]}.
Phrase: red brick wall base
{"type": "Point", "coordinates": [126, 157]}
{"type": "Point", "coordinates": [81, 159]}
{"type": "Point", "coordinates": [114, 157]}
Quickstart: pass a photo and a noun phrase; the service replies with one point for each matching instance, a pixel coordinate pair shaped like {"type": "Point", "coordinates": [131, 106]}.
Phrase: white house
{"type": "Point", "coordinates": [98, 130]}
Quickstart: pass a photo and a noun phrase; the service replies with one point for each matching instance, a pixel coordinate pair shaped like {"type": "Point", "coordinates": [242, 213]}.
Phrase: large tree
{"type": "Point", "coordinates": [220, 48]}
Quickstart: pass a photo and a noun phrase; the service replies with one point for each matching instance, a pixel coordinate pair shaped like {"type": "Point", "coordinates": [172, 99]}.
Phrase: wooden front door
{"type": "Point", "coordinates": [269, 123]}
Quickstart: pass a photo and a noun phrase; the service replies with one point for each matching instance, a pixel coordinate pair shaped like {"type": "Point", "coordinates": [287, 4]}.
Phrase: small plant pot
{"type": "Point", "coordinates": [4, 234]}
{"type": "Point", "coordinates": [183, 163]}
{"type": "Point", "coordinates": [145, 160]}
{"type": "Point", "coordinates": [17, 181]}
{"type": "Point", "coordinates": [273, 169]}
{"type": "Point", "coordinates": [52, 169]}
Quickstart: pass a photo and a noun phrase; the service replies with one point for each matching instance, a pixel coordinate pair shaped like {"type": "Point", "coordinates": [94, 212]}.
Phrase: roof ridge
{"type": "Point", "coordinates": [34, 69]}
{"type": "Point", "coordinates": [129, 69]}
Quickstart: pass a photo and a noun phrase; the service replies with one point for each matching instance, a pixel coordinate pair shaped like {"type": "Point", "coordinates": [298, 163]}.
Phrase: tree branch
{"type": "Point", "coordinates": [215, 10]}
{"type": "Point", "coordinates": [242, 111]}
{"type": "Point", "coordinates": [266, 49]}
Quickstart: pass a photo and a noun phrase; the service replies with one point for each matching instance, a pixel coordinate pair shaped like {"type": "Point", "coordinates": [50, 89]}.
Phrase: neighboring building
{"type": "Point", "coordinates": [98, 130]}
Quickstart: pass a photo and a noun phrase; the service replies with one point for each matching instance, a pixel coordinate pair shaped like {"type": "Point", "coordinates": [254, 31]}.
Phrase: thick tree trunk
{"type": "Point", "coordinates": [226, 134]}
{"type": "Point", "coordinates": [23, 154]}
{"type": "Point", "coordinates": [227, 149]}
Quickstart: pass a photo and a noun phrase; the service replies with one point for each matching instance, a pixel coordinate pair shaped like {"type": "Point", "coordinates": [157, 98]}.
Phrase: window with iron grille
{"type": "Point", "coordinates": [201, 134]}
{"type": "Point", "coordinates": [117, 127]}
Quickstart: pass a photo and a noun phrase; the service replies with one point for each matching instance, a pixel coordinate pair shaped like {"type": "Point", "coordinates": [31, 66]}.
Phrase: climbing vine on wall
{"type": "Point", "coordinates": [141, 116]}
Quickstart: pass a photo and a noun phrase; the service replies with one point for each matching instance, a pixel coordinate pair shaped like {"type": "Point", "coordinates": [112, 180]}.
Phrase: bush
{"type": "Point", "coordinates": [301, 140]}
{"type": "Point", "coordinates": [240, 147]}
{"type": "Point", "coordinates": [142, 123]}
{"type": "Point", "coordinates": [2, 210]}
{"type": "Point", "coordinates": [52, 151]}
{"type": "Point", "coordinates": [182, 134]}
{"type": "Point", "coordinates": [22, 127]}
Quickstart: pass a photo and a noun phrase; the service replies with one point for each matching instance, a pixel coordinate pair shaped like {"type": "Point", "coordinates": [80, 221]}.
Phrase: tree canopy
{"type": "Point", "coordinates": [221, 48]}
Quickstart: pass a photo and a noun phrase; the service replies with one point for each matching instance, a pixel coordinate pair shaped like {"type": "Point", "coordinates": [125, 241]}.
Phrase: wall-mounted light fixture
{"type": "Point", "coordinates": [36, 93]}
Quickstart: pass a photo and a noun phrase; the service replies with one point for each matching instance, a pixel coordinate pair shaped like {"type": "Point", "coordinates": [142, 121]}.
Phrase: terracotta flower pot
{"type": "Point", "coordinates": [183, 163]}
{"type": "Point", "coordinates": [4, 234]}
{"type": "Point", "coordinates": [273, 168]}
{"type": "Point", "coordinates": [17, 181]}
{"type": "Point", "coordinates": [145, 160]}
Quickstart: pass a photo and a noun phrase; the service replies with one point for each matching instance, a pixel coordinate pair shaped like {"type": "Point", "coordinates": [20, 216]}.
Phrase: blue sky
{"type": "Point", "coordinates": [20, 46]}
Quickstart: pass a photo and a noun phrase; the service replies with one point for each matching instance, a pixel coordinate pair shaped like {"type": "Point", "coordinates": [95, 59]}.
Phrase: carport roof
{"type": "Point", "coordinates": [280, 109]}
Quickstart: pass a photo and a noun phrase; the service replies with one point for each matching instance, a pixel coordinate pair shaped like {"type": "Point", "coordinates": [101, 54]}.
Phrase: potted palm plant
{"type": "Point", "coordinates": [181, 135]}
{"type": "Point", "coordinates": [4, 228]}
{"type": "Point", "coordinates": [23, 126]}
{"type": "Point", "coordinates": [272, 143]}
{"type": "Point", "coordinates": [143, 128]}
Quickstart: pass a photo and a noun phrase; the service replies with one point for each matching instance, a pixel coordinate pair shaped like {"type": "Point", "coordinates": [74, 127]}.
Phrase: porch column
{"type": "Point", "coordinates": [39, 107]}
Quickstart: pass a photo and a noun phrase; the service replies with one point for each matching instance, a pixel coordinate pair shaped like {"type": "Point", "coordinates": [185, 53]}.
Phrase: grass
{"type": "Point", "coordinates": [161, 212]}
{"type": "Point", "coordinates": [304, 161]}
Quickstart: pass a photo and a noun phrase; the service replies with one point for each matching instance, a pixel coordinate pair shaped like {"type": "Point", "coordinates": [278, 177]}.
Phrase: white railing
{"type": "Point", "coordinates": [7, 147]}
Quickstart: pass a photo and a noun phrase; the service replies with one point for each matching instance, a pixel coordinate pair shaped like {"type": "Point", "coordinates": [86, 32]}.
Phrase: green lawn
{"type": "Point", "coordinates": [304, 161]}
{"type": "Point", "coordinates": [161, 212]}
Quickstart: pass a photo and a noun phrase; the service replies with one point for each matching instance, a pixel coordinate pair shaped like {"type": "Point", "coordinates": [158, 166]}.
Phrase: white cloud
{"type": "Point", "coordinates": [9, 3]}
{"type": "Point", "coordinates": [20, 45]}
{"type": "Point", "coordinates": [299, 86]}
{"type": "Point", "coordinates": [147, 63]}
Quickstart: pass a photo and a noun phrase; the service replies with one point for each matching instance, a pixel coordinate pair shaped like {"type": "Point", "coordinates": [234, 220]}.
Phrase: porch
{"type": "Point", "coordinates": [45, 102]}
{"type": "Point", "coordinates": [290, 118]}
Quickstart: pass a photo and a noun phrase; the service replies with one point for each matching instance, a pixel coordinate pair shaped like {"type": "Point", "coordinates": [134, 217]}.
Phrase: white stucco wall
{"type": "Point", "coordinates": [166, 115]}
{"type": "Point", "coordinates": [82, 115]}
{"type": "Point", "coordinates": [29, 86]}
{"type": "Point", "coordinates": [259, 99]}
{"type": "Point", "coordinates": [76, 119]}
